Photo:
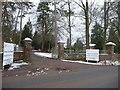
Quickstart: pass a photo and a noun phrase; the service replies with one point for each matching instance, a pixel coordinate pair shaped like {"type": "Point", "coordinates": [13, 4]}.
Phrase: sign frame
{"type": "Point", "coordinates": [8, 53]}
{"type": "Point", "coordinates": [92, 55]}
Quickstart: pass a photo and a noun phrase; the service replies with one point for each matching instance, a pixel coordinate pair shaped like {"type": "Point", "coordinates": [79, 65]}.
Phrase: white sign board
{"type": "Point", "coordinates": [92, 54]}
{"type": "Point", "coordinates": [8, 53]}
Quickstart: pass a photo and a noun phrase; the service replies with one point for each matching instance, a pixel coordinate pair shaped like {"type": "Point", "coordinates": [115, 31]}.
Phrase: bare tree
{"type": "Point", "coordinates": [87, 25]}
{"type": "Point", "coordinates": [105, 24]}
{"type": "Point", "coordinates": [107, 6]}
{"type": "Point", "coordinates": [16, 20]}
{"type": "Point", "coordinates": [63, 14]}
{"type": "Point", "coordinates": [21, 23]}
{"type": "Point", "coordinates": [55, 27]}
{"type": "Point", "coordinates": [23, 7]}
{"type": "Point", "coordinates": [85, 8]}
{"type": "Point", "coordinates": [69, 25]}
{"type": "Point", "coordinates": [119, 20]}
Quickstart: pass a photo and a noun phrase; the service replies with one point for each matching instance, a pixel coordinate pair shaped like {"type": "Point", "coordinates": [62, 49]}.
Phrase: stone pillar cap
{"type": "Point", "coordinates": [110, 44]}
{"type": "Point", "coordinates": [61, 42]}
{"type": "Point", "coordinates": [92, 45]}
{"type": "Point", "coordinates": [17, 45]}
{"type": "Point", "coordinates": [27, 39]}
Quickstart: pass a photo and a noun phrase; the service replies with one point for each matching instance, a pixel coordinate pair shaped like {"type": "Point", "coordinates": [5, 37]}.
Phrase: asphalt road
{"type": "Point", "coordinates": [93, 77]}
{"type": "Point", "coordinates": [106, 77]}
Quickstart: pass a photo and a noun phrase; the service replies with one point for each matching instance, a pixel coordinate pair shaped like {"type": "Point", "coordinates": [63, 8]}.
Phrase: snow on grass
{"type": "Point", "coordinates": [107, 62]}
{"type": "Point", "coordinates": [112, 62]}
{"type": "Point", "coordinates": [17, 65]}
{"type": "Point", "coordinates": [82, 62]}
{"type": "Point", "coordinates": [49, 55]}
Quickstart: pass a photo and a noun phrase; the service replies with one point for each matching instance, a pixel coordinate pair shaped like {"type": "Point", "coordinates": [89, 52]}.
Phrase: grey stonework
{"type": "Point", "coordinates": [60, 50]}
{"type": "Point", "coordinates": [110, 48]}
{"type": "Point", "coordinates": [75, 56]}
{"type": "Point", "coordinates": [26, 50]}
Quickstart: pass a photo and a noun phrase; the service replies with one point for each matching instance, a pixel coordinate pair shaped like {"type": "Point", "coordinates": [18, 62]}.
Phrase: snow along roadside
{"type": "Point", "coordinates": [17, 65]}
{"type": "Point", "coordinates": [107, 62]}
{"type": "Point", "coordinates": [49, 55]}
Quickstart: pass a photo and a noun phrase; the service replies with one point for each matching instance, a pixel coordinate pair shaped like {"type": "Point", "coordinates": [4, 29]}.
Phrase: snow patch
{"type": "Point", "coordinates": [49, 55]}
{"type": "Point", "coordinates": [28, 39]}
{"type": "Point", "coordinates": [107, 62]}
{"type": "Point", "coordinates": [60, 72]}
{"type": "Point", "coordinates": [111, 43]}
{"type": "Point", "coordinates": [16, 75]}
{"type": "Point", "coordinates": [61, 41]}
{"type": "Point", "coordinates": [92, 45]}
{"type": "Point", "coordinates": [17, 65]}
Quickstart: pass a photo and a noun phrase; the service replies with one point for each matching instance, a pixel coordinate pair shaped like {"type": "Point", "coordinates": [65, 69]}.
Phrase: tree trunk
{"type": "Point", "coordinates": [20, 25]}
{"type": "Point", "coordinates": [55, 27]}
{"type": "Point", "coordinates": [69, 25]}
{"type": "Point", "coordinates": [105, 25]}
{"type": "Point", "coordinates": [14, 36]}
{"type": "Point", "coordinates": [87, 25]}
{"type": "Point", "coordinates": [55, 51]}
{"type": "Point", "coordinates": [16, 20]}
{"type": "Point", "coordinates": [119, 20]}
{"type": "Point", "coordinates": [42, 46]}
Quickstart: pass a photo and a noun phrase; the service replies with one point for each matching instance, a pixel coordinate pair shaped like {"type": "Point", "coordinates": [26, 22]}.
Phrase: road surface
{"type": "Point", "coordinates": [92, 77]}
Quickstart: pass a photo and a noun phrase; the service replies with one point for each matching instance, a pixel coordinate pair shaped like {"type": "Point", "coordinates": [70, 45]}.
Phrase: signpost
{"type": "Point", "coordinates": [92, 55]}
{"type": "Point", "coordinates": [8, 53]}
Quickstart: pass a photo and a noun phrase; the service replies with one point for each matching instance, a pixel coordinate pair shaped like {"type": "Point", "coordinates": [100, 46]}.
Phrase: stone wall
{"type": "Point", "coordinates": [82, 56]}
{"type": "Point", "coordinates": [109, 57]}
{"type": "Point", "coordinates": [18, 56]}
{"type": "Point", "coordinates": [60, 50]}
{"type": "Point", "coordinates": [104, 57]}
{"type": "Point", "coordinates": [74, 56]}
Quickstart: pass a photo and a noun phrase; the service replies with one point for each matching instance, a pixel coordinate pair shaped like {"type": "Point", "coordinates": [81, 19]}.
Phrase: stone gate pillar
{"type": "Point", "coordinates": [27, 49]}
{"type": "Point", "coordinates": [61, 50]}
{"type": "Point", "coordinates": [110, 48]}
